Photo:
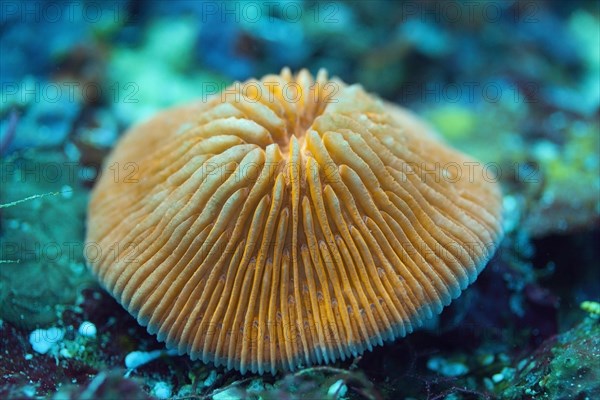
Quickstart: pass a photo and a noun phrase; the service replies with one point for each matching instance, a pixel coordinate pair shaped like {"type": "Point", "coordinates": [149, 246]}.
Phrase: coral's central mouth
{"type": "Point", "coordinates": [284, 105]}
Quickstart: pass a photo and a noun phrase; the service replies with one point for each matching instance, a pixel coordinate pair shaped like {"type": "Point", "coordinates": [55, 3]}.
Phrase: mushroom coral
{"type": "Point", "coordinates": [288, 221]}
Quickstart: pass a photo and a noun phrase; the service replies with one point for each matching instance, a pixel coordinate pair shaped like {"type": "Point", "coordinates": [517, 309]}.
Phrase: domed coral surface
{"type": "Point", "coordinates": [288, 221]}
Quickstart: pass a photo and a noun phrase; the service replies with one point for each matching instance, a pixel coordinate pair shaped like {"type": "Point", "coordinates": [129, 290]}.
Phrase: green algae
{"type": "Point", "coordinates": [570, 194]}
{"type": "Point", "coordinates": [453, 121]}
{"type": "Point", "coordinates": [137, 92]}
{"type": "Point", "coordinates": [43, 268]}
{"type": "Point", "coordinates": [565, 367]}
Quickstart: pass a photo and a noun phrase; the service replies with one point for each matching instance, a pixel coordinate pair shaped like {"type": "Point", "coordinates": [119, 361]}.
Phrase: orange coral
{"type": "Point", "coordinates": [288, 222]}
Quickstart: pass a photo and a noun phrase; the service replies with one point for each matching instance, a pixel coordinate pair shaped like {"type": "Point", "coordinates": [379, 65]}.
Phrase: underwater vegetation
{"type": "Point", "coordinates": [34, 289]}
{"type": "Point", "coordinates": [565, 366]}
{"type": "Point", "coordinates": [514, 84]}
